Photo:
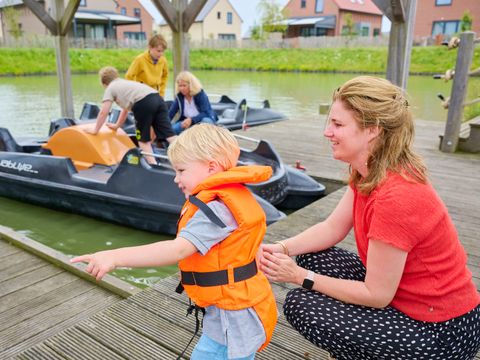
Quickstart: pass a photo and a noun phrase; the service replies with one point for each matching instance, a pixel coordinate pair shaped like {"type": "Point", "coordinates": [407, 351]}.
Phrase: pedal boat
{"type": "Point", "coordinates": [231, 114]}
{"type": "Point", "coordinates": [103, 176]}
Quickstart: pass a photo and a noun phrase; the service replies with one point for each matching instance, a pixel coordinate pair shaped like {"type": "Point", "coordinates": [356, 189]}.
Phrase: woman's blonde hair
{"type": "Point", "coordinates": [108, 74]}
{"type": "Point", "coordinates": [192, 81]}
{"type": "Point", "coordinates": [205, 142]}
{"type": "Point", "coordinates": [377, 102]}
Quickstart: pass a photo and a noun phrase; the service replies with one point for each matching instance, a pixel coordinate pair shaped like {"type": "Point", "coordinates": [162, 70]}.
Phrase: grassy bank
{"type": "Point", "coordinates": [424, 60]}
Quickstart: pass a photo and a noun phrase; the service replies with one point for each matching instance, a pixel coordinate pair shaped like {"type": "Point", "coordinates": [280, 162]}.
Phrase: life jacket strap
{"type": "Point", "coordinates": [220, 277]}
{"type": "Point", "coordinates": [207, 211]}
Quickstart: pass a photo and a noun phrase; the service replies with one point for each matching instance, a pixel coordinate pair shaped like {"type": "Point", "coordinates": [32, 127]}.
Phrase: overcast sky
{"type": "Point", "coordinates": [247, 9]}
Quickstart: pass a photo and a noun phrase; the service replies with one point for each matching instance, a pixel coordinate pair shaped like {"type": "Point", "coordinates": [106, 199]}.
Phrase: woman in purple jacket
{"type": "Point", "coordinates": [191, 103]}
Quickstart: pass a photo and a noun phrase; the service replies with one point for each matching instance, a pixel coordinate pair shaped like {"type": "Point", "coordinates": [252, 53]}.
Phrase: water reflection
{"type": "Point", "coordinates": [27, 104]}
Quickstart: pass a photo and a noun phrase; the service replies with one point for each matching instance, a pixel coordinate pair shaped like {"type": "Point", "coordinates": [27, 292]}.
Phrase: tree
{"type": "Point", "coordinates": [12, 17]}
{"type": "Point", "coordinates": [466, 23]}
{"type": "Point", "coordinates": [271, 18]}
{"type": "Point", "coordinates": [349, 27]}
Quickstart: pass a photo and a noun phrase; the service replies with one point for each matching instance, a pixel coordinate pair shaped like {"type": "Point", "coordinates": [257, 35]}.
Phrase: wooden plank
{"type": "Point", "coordinates": [168, 13]}
{"type": "Point", "coordinates": [191, 12]}
{"type": "Point", "coordinates": [32, 331]}
{"type": "Point", "coordinates": [42, 15]}
{"type": "Point", "coordinates": [109, 282]}
{"type": "Point", "coordinates": [285, 341]}
{"type": "Point", "coordinates": [122, 340]}
{"type": "Point", "coordinates": [18, 268]}
{"type": "Point", "coordinates": [40, 288]}
{"type": "Point", "coordinates": [68, 15]}
{"type": "Point", "coordinates": [73, 344]}
{"type": "Point", "coordinates": [6, 250]}
{"type": "Point", "coordinates": [43, 303]}
{"type": "Point", "coordinates": [28, 279]}
{"type": "Point", "coordinates": [39, 352]}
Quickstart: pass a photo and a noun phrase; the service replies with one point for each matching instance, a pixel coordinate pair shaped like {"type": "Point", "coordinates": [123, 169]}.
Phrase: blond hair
{"type": "Point", "coordinates": [157, 40]}
{"type": "Point", "coordinates": [108, 74]}
{"type": "Point", "coordinates": [377, 102]}
{"type": "Point", "coordinates": [205, 142]}
{"type": "Point", "coordinates": [191, 80]}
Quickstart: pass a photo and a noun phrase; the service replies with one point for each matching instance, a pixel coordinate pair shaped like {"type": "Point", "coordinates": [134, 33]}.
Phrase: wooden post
{"type": "Point", "coordinates": [180, 15]}
{"type": "Point", "coordinates": [402, 15]}
{"type": "Point", "coordinates": [59, 26]}
{"type": "Point", "coordinates": [459, 91]}
{"type": "Point", "coordinates": [63, 63]}
{"type": "Point", "coordinates": [400, 44]}
{"type": "Point", "coordinates": [181, 60]}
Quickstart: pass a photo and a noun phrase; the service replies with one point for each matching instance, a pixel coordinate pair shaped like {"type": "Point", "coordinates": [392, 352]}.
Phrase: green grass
{"type": "Point", "coordinates": [424, 60]}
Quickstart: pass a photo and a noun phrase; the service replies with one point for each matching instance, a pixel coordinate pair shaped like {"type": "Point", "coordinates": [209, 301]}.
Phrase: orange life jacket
{"type": "Point", "coordinates": [238, 249]}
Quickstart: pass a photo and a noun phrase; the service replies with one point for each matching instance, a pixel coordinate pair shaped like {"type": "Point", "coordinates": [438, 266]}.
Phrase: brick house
{"type": "Point", "coordinates": [328, 17]}
{"type": "Point", "coordinates": [140, 31]}
{"type": "Point", "coordinates": [443, 17]}
{"type": "Point", "coordinates": [95, 20]}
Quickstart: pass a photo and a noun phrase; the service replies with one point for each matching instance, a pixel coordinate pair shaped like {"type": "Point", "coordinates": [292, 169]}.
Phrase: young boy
{"type": "Point", "coordinates": [146, 104]}
{"type": "Point", "coordinates": [220, 230]}
{"type": "Point", "coordinates": [151, 67]}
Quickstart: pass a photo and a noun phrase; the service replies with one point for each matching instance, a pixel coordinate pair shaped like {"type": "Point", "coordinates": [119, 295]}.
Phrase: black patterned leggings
{"type": "Point", "coordinates": [358, 332]}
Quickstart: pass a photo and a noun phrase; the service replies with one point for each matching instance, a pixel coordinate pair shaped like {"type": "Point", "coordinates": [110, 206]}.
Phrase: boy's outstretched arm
{"type": "Point", "coordinates": [157, 254]}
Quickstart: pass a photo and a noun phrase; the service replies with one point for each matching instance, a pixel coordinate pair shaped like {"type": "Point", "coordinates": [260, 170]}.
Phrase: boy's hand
{"type": "Point", "coordinates": [113, 126]}
{"type": "Point", "coordinates": [99, 263]}
{"type": "Point", "coordinates": [90, 131]}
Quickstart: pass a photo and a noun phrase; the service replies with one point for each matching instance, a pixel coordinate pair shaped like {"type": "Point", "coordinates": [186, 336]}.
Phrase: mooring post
{"type": "Point", "coordinates": [459, 91]}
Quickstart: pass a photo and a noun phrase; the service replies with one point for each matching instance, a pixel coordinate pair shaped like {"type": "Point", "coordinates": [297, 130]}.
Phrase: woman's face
{"type": "Point", "coordinates": [183, 87]}
{"type": "Point", "coordinates": [348, 141]}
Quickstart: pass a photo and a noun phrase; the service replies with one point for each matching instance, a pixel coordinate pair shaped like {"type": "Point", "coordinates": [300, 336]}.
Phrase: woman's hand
{"type": "Point", "coordinates": [186, 123]}
{"type": "Point", "coordinates": [99, 263]}
{"type": "Point", "coordinates": [281, 268]}
{"type": "Point", "coordinates": [113, 126]}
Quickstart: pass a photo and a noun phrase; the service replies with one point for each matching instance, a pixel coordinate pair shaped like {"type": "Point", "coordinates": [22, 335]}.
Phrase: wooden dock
{"type": "Point", "coordinates": [46, 312]}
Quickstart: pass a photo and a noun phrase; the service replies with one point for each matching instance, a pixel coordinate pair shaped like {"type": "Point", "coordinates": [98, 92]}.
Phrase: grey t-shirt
{"type": "Point", "coordinates": [126, 92]}
{"type": "Point", "coordinates": [240, 330]}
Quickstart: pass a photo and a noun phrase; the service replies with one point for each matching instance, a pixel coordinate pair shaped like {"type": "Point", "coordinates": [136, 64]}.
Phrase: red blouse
{"type": "Point", "coordinates": [436, 284]}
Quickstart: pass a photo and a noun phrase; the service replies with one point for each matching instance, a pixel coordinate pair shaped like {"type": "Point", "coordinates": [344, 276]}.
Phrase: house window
{"type": "Point", "coordinates": [226, 36]}
{"type": "Point", "coordinates": [312, 31]}
{"type": "Point", "coordinates": [376, 31]}
{"type": "Point", "coordinates": [443, 2]}
{"type": "Point", "coordinates": [135, 35]}
{"type": "Point", "coordinates": [229, 18]}
{"type": "Point", "coordinates": [303, 4]}
{"type": "Point", "coordinates": [123, 11]}
{"type": "Point", "coordinates": [136, 12]}
{"type": "Point", "coordinates": [445, 27]}
{"type": "Point", "coordinates": [83, 3]}
{"type": "Point", "coordinates": [319, 6]}
{"type": "Point", "coordinates": [219, 15]}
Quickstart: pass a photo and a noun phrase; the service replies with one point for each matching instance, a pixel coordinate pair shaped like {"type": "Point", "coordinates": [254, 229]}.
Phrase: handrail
{"type": "Point", "coordinates": [246, 138]}
{"type": "Point", "coordinates": [158, 156]}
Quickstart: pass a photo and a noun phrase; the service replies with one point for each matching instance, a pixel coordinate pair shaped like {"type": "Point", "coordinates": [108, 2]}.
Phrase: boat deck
{"type": "Point", "coordinates": [49, 313]}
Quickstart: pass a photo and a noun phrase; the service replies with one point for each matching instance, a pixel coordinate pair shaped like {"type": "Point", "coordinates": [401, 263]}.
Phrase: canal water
{"type": "Point", "coordinates": [27, 104]}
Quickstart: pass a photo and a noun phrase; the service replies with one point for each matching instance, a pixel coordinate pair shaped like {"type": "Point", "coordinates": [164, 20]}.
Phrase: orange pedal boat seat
{"type": "Point", "coordinates": [106, 148]}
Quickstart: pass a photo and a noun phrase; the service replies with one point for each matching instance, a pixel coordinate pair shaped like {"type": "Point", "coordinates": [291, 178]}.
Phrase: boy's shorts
{"type": "Point", "coordinates": [208, 349]}
{"type": "Point", "coordinates": [151, 111]}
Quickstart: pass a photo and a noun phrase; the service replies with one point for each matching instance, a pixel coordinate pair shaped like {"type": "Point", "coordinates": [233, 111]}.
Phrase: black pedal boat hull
{"type": "Point", "coordinates": [135, 195]}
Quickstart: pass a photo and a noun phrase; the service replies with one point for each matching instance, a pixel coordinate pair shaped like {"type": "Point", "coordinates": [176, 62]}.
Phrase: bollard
{"type": "Point", "coordinates": [323, 108]}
